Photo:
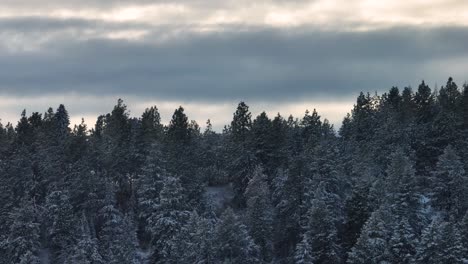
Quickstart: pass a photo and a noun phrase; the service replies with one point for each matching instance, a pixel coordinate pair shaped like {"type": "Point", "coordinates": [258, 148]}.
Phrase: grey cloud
{"type": "Point", "coordinates": [45, 25]}
{"type": "Point", "coordinates": [90, 4]}
{"type": "Point", "coordinates": [256, 64]}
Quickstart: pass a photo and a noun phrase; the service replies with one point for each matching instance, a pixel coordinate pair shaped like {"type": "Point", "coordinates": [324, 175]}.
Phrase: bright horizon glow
{"type": "Point", "coordinates": [220, 114]}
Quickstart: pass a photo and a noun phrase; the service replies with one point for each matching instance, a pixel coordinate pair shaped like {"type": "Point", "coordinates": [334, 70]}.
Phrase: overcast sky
{"type": "Point", "coordinates": [277, 55]}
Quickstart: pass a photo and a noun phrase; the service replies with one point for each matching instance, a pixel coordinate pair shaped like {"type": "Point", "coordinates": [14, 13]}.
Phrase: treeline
{"type": "Point", "coordinates": [391, 186]}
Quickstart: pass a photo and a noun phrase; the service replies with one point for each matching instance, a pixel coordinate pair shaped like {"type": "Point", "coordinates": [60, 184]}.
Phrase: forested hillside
{"type": "Point", "coordinates": [391, 186]}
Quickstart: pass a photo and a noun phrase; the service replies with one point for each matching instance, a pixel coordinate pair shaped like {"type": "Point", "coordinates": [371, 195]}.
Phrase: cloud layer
{"type": "Point", "coordinates": [219, 52]}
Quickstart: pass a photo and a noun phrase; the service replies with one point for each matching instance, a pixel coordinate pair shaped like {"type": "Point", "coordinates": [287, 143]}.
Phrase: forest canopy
{"type": "Point", "coordinates": [390, 186]}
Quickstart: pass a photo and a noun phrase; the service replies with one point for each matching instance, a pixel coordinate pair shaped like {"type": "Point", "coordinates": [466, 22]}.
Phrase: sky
{"type": "Point", "coordinates": [276, 55]}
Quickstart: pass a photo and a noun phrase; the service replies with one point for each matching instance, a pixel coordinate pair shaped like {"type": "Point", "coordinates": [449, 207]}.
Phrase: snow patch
{"type": "Point", "coordinates": [220, 196]}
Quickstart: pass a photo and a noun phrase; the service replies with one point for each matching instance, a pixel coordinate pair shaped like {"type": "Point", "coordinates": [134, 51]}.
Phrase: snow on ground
{"type": "Point", "coordinates": [44, 256]}
{"type": "Point", "coordinates": [143, 255]}
{"type": "Point", "coordinates": [219, 195]}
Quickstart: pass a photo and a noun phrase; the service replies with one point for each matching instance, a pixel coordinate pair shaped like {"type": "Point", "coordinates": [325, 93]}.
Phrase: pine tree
{"type": "Point", "coordinates": [114, 150]}
{"type": "Point", "coordinates": [278, 137]}
{"type": "Point", "coordinates": [312, 127]}
{"type": "Point", "coordinates": [196, 241]}
{"type": "Point", "coordinates": [424, 101]}
{"type": "Point", "coordinates": [151, 127]}
{"type": "Point", "coordinates": [357, 213]}
{"type": "Point", "coordinates": [303, 253]}
{"type": "Point", "coordinates": [288, 196]}
{"type": "Point", "coordinates": [449, 95]}
{"type": "Point", "coordinates": [242, 161]}
{"type": "Point", "coordinates": [60, 224]}
{"type": "Point", "coordinates": [260, 213]}
{"type": "Point", "coordinates": [232, 242]}
{"type": "Point", "coordinates": [117, 239]}
{"type": "Point", "coordinates": [23, 241]}
{"type": "Point", "coordinates": [262, 139]}
{"type": "Point", "coordinates": [407, 105]}
{"type": "Point", "coordinates": [150, 183]}
{"type": "Point", "coordinates": [402, 243]}
{"type": "Point", "coordinates": [372, 245]}
{"type": "Point", "coordinates": [181, 152]}
{"type": "Point", "coordinates": [464, 234]}
{"type": "Point", "coordinates": [450, 184]}
{"type": "Point", "coordinates": [322, 233]}
{"type": "Point", "coordinates": [61, 123]}
{"type": "Point", "coordinates": [24, 130]}
{"type": "Point", "coordinates": [86, 250]}
{"type": "Point", "coordinates": [178, 129]}
{"type": "Point", "coordinates": [464, 106]}
{"type": "Point", "coordinates": [325, 169]}
{"type": "Point", "coordinates": [363, 115]}
{"type": "Point", "coordinates": [440, 243]}
{"type": "Point", "coordinates": [168, 219]}
{"type": "Point", "coordinates": [79, 142]}
{"type": "Point", "coordinates": [241, 124]}
{"type": "Point", "coordinates": [402, 195]}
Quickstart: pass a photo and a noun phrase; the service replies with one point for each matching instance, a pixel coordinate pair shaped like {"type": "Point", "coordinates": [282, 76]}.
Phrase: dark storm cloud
{"type": "Point", "coordinates": [259, 64]}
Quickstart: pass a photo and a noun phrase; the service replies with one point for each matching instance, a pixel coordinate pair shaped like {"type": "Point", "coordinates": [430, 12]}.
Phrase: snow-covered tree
{"type": "Point", "coordinates": [303, 254]}
{"type": "Point", "coordinates": [22, 244]}
{"type": "Point", "coordinates": [86, 249]}
{"type": "Point", "coordinates": [321, 232]}
{"type": "Point", "coordinates": [400, 187]}
{"type": "Point", "coordinates": [357, 212]}
{"type": "Point", "coordinates": [117, 237]}
{"type": "Point", "coordinates": [196, 241]}
{"type": "Point", "coordinates": [441, 242]}
{"type": "Point", "coordinates": [450, 184]}
{"type": "Point", "coordinates": [167, 220]}
{"type": "Point", "coordinates": [259, 214]}
{"type": "Point", "coordinates": [372, 245]}
{"type": "Point", "coordinates": [149, 184]}
{"type": "Point", "coordinates": [402, 243]}
{"type": "Point", "coordinates": [464, 231]}
{"type": "Point", "coordinates": [232, 242]}
{"type": "Point", "coordinates": [61, 224]}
